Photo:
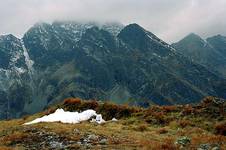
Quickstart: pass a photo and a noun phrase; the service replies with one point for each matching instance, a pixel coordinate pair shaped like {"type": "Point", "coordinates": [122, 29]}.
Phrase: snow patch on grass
{"type": "Point", "coordinates": [69, 117]}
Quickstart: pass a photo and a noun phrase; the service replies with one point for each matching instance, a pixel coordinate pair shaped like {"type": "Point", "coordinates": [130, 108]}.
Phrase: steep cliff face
{"type": "Point", "coordinates": [106, 62]}
{"type": "Point", "coordinates": [14, 76]}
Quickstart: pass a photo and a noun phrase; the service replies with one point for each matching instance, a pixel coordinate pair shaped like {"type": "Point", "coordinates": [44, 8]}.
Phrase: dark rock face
{"type": "Point", "coordinates": [106, 62]}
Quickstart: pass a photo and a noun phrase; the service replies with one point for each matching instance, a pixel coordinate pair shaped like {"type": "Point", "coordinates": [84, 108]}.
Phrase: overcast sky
{"type": "Point", "coordinates": [171, 20]}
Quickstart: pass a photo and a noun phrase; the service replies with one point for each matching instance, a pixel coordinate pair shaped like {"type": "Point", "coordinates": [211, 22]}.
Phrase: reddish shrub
{"type": "Point", "coordinates": [188, 109]}
{"type": "Point", "coordinates": [90, 104]}
{"type": "Point", "coordinates": [72, 101]}
{"type": "Point", "coordinates": [169, 109]}
{"type": "Point", "coordinates": [211, 139]}
{"type": "Point", "coordinates": [207, 100]}
{"type": "Point", "coordinates": [5, 148]}
{"type": "Point", "coordinates": [109, 110]}
{"type": "Point", "coordinates": [152, 111]}
{"type": "Point", "coordinates": [76, 104]}
{"type": "Point", "coordinates": [142, 128]}
{"type": "Point", "coordinates": [156, 118]}
{"type": "Point", "coordinates": [159, 116]}
{"type": "Point", "coordinates": [168, 144]}
{"type": "Point", "coordinates": [165, 109]}
{"type": "Point", "coordinates": [17, 137]}
{"type": "Point", "coordinates": [50, 111]}
{"type": "Point", "coordinates": [220, 128]}
{"type": "Point", "coordinates": [164, 144]}
{"type": "Point", "coordinates": [25, 117]}
{"type": "Point", "coordinates": [184, 123]}
{"type": "Point", "coordinates": [162, 131]}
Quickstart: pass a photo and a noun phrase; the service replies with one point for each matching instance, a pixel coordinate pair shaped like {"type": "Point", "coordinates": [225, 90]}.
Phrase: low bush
{"type": "Point", "coordinates": [130, 121]}
{"type": "Point", "coordinates": [187, 110]}
{"type": "Point", "coordinates": [141, 128]}
{"type": "Point", "coordinates": [168, 144]}
{"type": "Point", "coordinates": [50, 111]}
{"type": "Point", "coordinates": [156, 118]}
{"type": "Point", "coordinates": [89, 104]}
{"type": "Point", "coordinates": [184, 123]}
{"type": "Point", "coordinates": [76, 104]}
{"type": "Point", "coordinates": [16, 137]}
{"type": "Point", "coordinates": [152, 109]}
{"type": "Point", "coordinates": [5, 148]}
{"type": "Point", "coordinates": [162, 131]}
{"type": "Point", "coordinates": [72, 101]}
{"type": "Point", "coordinates": [169, 109]}
{"type": "Point", "coordinates": [220, 128]}
{"type": "Point", "coordinates": [109, 110]}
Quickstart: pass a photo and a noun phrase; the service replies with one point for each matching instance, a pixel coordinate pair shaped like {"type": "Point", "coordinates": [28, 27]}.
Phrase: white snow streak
{"type": "Point", "coordinates": [28, 61]}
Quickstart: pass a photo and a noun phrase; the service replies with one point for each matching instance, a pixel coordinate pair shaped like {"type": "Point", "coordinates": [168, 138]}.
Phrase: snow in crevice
{"type": "Point", "coordinates": [12, 74]}
{"type": "Point", "coordinates": [69, 117]}
{"type": "Point", "coordinates": [30, 70]}
{"type": "Point", "coordinates": [164, 44]}
{"type": "Point", "coordinates": [28, 61]}
{"type": "Point", "coordinates": [19, 70]}
{"type": "Point", "coordinates": [15, 57]}
{"type": "Point", "coordinates": [9, 76]}
{"type": "Point", "coordinates": [12, 64]}
{"type": "Point", "coordinates": [157, 55]}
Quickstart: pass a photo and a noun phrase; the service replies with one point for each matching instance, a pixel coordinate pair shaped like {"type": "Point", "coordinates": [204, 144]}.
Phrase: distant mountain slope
{"type": "Point", "coordinates": [106, 62]}
{"type": "Point", "coordinates": [210, 53]}
{"type": "Point", "coordinates": [219, 43]}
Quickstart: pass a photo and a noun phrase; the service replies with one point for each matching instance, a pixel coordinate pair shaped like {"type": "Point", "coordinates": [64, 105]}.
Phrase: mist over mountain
{"type": "Point", "coordinates": [124, 64]}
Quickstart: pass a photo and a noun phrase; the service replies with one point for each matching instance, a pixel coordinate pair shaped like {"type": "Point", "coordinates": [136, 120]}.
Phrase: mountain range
{"type": "Point", "coordinates": [124, 64]}
{"type": "Point", "coordinates": [210, 52]}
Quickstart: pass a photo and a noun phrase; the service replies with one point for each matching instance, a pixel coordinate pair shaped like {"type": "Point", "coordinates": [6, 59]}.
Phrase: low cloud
{"type": "Point", "coordinates": [171, 20]}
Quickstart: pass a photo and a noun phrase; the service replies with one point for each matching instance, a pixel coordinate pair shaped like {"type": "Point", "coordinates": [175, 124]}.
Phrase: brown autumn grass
{"type": "Point", "coordinates": [154, 128]}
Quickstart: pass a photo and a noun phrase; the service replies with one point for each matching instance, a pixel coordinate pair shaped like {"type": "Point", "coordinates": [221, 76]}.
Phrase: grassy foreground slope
{"type": "Point", "coordinates": [157, 127]}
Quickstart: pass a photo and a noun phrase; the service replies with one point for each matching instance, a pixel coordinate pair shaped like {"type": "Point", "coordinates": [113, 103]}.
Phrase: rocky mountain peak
{"type": "Point", "coordinates": [9, 41]}
{"type": "Point", "coordinates": [135, 36]}
{"type": "Point", "coordinates": [217, 37]}
{"type": "Point", "coordinates": [193, 38]}
{"type": "Point", "coordinates": [210, 53]}
{"type": "Point", "coordinates": [113, 27]}
{"type": "Point", "coordinates": [134, 30]}
{"type": "Point", "coordinates": [218, 42]}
